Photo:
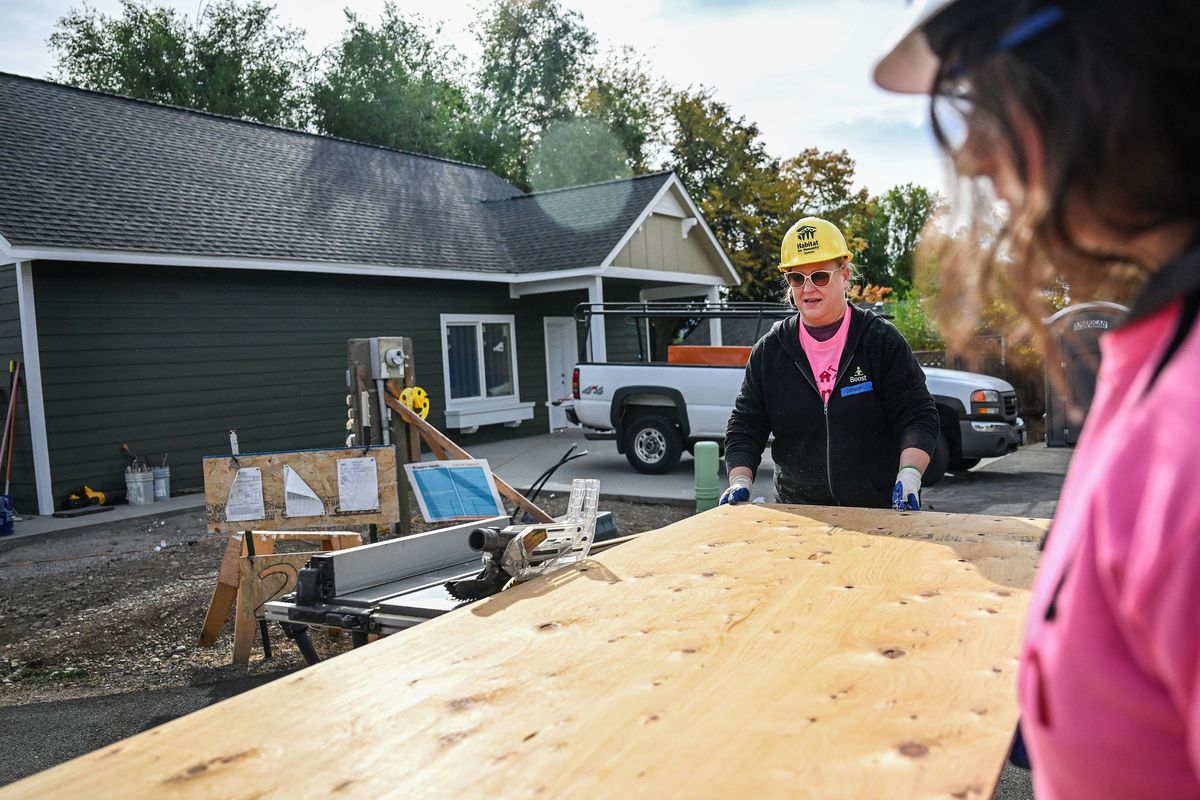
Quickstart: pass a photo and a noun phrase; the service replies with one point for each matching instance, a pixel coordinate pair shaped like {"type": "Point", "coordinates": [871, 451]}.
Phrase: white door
{"type": "Point", "coordinates": [562, 348]}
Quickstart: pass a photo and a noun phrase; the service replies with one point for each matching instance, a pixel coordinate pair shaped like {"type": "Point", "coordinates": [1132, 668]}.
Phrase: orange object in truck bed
{"type": "Point", "coordinates": [708, 355]}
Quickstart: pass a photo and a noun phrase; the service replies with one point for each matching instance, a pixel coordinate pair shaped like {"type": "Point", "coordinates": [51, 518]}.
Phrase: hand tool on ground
{"type": "Point", "coordinates": [86, 496]}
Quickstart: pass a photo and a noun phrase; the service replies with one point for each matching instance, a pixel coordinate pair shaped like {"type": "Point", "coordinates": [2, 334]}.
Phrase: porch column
{"type": "Point", "coordinates": [714, 324]}
{"type": "Point", "coordinates": [597, 342]}
{"type": "Point", "coordinates": [33, 388]}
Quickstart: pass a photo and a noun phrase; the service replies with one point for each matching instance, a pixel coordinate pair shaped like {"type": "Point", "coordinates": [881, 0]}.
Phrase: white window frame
{"type": "Point", "coordinates": [482, 402]}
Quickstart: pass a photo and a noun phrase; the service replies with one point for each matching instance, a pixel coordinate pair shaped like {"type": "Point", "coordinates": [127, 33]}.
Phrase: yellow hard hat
{"type": "Point", "coordinates": [810, 241]}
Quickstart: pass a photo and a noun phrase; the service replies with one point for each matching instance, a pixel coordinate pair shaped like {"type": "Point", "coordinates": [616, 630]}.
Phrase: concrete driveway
{"type": "Point", "coordinates": [1024, 484]}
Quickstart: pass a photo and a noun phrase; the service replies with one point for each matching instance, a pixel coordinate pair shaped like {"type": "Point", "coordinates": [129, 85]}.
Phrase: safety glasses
{"type": "Point", "coordinates": [819, 278]}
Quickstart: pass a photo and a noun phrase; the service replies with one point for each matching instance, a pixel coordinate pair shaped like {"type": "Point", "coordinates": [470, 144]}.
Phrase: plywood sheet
{"type": "Point", "coordinates": [318, 468]}
{"type": "Point", "coordinates": [754, 651]}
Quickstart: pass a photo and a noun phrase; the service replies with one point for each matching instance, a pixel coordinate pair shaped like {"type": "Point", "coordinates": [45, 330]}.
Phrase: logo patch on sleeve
{"type": "Point", "coordinates": [858, 388]}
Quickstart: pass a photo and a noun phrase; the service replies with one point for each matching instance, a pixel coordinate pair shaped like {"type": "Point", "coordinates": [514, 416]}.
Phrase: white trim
{"type": "Point", "coordinates": [465, 406]}
{"type": "Point", "coordinates": [637, 223]}
{"type": "Point", "coordinates": [685, 278]}
{"type": "Point", "coordinates": [687, 198]}
{"type": "Point", "coordinates": [715, 334]}
{"type": "Point", "coordinates": [673, 180]}
{"type": "Point", "coordinates": [668, 206]}
{"type": "Point", "coordinates": [468, 420]}
{"type": "Point", "coordinates": [674, 293]}
{"type": "Point", "coordinates": [33, 389]}
{"type": "Point", "coordinates": [519, 290]}
{"type": "Point", "coordinates": [569, 323]}
{"type": "Point", "coordinates": [597, 338]}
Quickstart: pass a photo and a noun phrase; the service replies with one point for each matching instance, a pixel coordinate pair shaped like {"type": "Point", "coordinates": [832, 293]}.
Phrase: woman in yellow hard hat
{"type": "Point", "coordinates": [1075, 114]}
{"type": "Point", "coordinates": [838, 387]}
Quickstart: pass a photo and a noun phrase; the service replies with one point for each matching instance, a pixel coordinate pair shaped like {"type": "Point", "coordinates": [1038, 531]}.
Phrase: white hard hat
{"type": "Point", "coordinates": [910, 65]}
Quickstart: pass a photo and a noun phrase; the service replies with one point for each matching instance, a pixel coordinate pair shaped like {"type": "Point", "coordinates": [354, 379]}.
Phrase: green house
{"type": "Point", "coordinates": [168, 275]}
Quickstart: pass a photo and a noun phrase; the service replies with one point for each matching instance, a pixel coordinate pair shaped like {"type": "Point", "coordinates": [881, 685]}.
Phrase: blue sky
{"type": "Point", "coordinates": [799, 69]}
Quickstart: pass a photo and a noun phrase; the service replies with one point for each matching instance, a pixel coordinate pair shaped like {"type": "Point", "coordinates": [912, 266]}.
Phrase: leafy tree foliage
{"type": "Point", "coordinates": [535, 55]}
{"type": "Point", "coordinates": [393, 85]}
{"type": "Point", "coordinates": [234, 59]}
{"type": "Point", "coordinates": [892, 229]}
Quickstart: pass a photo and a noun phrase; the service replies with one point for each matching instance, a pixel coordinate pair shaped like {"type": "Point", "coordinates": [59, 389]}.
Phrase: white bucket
{"type": "Point", "coordinates": [162, 483]}
{"type": "Point", "coordinates": [139, 487]}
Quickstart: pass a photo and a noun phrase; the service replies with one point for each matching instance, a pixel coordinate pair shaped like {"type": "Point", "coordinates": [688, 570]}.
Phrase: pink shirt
{"type": "Point", "coordinates": [825, 356]}
{"type": "Point", "coordinates": [1110, 686]}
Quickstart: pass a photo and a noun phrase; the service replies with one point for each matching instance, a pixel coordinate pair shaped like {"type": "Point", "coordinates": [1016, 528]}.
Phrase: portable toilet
{"type": "Point", "coordinates": [1071, 367]}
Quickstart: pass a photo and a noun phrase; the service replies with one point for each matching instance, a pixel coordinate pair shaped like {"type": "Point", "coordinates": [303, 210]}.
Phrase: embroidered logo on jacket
{"type": "Point", "coordinates": [858, 376]}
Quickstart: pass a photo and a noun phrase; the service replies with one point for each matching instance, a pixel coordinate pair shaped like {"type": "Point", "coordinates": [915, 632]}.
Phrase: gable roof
{"type": "Point", "coordinates": [94, 173]}
{"type": "Point", "coordinates": [572, 227]}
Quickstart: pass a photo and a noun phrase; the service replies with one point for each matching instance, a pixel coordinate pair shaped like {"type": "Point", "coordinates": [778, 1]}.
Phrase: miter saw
{"type": "Point", "coordinates": [520, 552]}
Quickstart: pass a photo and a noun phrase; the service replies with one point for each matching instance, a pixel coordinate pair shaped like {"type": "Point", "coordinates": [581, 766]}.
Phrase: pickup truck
{"type": "Point", "coordinates": [655, 410]}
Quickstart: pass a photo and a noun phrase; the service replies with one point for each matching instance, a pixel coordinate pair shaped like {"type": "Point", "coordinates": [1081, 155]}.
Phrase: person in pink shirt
{"type": "Point", "coordinates": [1079, 116]}
{"type": "Point", "coordinates": [837, 386]}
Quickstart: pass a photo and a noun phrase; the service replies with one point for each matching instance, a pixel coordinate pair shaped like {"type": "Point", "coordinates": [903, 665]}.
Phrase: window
{"type": "Point", "coordinates": [480, 357]}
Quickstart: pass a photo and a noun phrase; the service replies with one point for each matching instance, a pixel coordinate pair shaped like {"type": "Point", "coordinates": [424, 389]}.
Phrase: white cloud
{"type": "Point", "coordinates": [800, 70]}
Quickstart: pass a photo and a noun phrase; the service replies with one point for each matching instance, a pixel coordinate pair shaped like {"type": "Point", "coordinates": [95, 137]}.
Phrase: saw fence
{"type": "Point", "coordinates": [749, 651]}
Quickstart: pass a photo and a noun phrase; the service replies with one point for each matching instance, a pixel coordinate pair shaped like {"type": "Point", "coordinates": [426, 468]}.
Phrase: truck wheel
{"type": "Point", "coordinates": [962, 464]}
{"type": "Point", "coordinates": [653, 444]}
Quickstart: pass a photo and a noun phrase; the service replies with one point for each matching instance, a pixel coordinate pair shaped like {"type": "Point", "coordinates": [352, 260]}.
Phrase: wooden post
{"type": "Point", "coordinates": [224, 592]}
{"type": "Point", "coordinates": [442, 445]}
{"type": "Point", "coordinates": [408, 446]}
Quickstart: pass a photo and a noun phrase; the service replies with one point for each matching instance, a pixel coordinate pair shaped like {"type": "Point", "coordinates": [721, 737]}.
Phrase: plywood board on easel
{"type": "Point", "coordinates": [750, 651]}
{"type": "Point", "coordinates": [318, 469]}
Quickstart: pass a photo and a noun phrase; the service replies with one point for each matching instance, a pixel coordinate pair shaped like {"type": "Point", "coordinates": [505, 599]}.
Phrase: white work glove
{"type": "Point", "coordinates": [906, 495]}
{"type": "Point", "coordinates": [738, 491]}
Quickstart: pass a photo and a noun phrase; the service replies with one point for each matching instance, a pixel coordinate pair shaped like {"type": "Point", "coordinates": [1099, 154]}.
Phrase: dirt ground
{"type": "Point", "coordinates": [120, 608]}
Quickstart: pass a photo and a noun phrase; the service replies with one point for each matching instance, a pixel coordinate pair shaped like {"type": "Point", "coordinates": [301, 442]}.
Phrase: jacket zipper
{"type": "Point", "coordinates": [828, 432]}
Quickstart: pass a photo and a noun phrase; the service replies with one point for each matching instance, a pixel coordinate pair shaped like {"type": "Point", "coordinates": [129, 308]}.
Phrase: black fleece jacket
{"type": "Point", "coordinates": [846, 453]}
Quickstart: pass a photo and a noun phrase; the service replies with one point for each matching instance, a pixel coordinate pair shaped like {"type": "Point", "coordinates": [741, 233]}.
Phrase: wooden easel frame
{"type": "Point", "coordinates": [251, 581]}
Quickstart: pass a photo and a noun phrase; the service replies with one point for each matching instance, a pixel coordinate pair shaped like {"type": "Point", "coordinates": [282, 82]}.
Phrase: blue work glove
{"type": "Point", "coordinates": [738, 491]}
{"type": "Point", "coordinates": [906, 495]}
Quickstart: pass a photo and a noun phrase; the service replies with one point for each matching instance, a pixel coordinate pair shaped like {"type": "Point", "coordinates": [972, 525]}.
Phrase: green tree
{"type": "Point", "coordinates": [393, 85]}
{"type": "Point", "coordinates": [234, 59]}
{"type": "Point", "coordinates": [532, 71]}
{"type": "Point", "coordinates": [631, 103]}
{"type": "Point", "coordinates": [737, 184]}
{"type": "Point", "coordinates": [893, 231]}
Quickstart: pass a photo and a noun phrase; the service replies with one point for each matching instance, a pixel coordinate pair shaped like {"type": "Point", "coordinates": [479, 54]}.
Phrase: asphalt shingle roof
{"type": "Point", "coordinates": [573, 227]}
{"type": "Point", "coordinates": [86, 170]}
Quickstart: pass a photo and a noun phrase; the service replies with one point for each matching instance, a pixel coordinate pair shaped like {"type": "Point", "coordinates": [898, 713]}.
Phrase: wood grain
{"type": "Point", "coordinates": [318, 468]}
{"type": "Point", "coordinates": [753, 651]}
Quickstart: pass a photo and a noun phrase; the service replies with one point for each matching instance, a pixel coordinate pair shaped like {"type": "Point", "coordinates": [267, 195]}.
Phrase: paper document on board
{"type": "Point", "coordinates": [455, 490]}
{"type": "Point", "coordinates": [358, 484]}
{"type": "Point", "coordinates": [245, 500]}
{"type": "Point", "coordinates": [299, 500]}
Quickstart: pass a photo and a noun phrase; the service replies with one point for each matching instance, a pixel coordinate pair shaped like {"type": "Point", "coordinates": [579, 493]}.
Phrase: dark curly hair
{"type": "Point", "coordinates": [1111, 89]}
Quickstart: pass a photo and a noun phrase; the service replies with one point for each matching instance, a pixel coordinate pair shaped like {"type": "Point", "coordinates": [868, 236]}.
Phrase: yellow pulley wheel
{"type": "Point", "coordinates": [415, 398]}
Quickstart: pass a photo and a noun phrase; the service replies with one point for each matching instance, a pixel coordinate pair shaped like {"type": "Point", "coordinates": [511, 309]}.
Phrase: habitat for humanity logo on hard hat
{"type": "Point", "coordinates": [806, 239]}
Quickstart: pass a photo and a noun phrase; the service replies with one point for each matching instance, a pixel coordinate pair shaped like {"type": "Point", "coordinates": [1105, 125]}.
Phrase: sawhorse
{"type": "Point", "coordinates": [252, 573]}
